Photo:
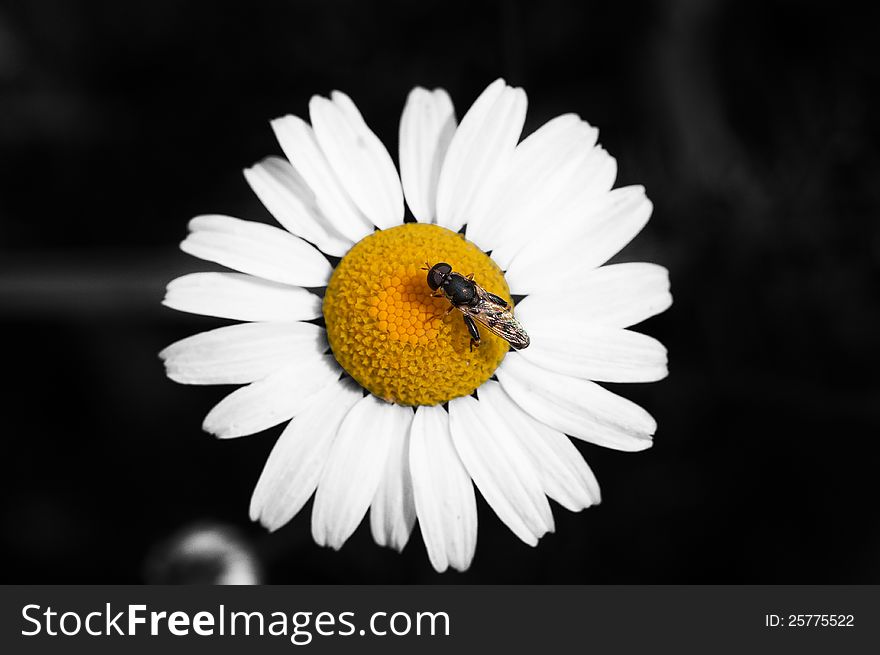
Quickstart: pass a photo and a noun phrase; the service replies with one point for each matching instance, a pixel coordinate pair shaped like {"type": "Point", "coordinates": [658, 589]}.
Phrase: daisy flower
{"type": "Point", "coordinates": [388, 407]}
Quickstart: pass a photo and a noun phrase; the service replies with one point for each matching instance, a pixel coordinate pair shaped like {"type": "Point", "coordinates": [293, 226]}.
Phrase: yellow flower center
{"type": "Point", "coordinates": [387, 331]}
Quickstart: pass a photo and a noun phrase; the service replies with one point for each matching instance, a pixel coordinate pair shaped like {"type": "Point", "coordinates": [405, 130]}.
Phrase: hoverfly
{"type": "Point", "coordinates": [476, 304]}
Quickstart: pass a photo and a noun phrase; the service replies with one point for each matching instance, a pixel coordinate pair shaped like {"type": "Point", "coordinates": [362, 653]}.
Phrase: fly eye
{"type": "Point", "coordinates": [437, 273]}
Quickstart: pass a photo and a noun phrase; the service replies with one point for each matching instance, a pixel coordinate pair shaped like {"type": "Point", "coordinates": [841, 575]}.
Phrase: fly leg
{"type": "Point", "coordinates": [475, 333]}
{"type": "Point", "coordinates": [446, 313]}
{"type": "Point", "coordinates": [498, 300]}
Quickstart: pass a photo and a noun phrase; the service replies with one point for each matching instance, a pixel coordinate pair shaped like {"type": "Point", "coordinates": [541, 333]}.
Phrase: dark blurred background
{"type": "Point", "coordinates": [751, 124]}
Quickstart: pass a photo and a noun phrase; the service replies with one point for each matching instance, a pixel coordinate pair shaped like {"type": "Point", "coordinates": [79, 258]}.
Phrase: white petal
{"type": "Point", "coordinates": [594, 352]}
{"type": "Point", "coordinates": [392, 512]}
{"type": "Point", "coordinates": [576, 407]}
{"type": "Point", "coordinates": [272, 400]}
{"type": "Point", "coordinates": [543, 167]}
{"type": "Point", "coordinates": [564, 474]}
{"type": "Point", "coordinates": [290, 200]}
{"type": "Point", "coordinates": [238, 354]}
{"type": "Point", "coordinates": [258, 249]}
{"type": "Point", "coordinates": [479, 155]}
{"type": "Point", "coordinates": [444, 494]}
{"type": "Point", "coordinates": [300, 146]}
{"type": "Point", "coordinates": [618, 295]}
{"type": "Point", "coordinates": [583, 196]}
{"type": "Point", "coordinates": [357, 156]}
{"type": "Point", "coordinates": [501, 469]}
{"type": "Point", "coordinates": [240, 297]}
{"type": "Point", "coordinates": [585, 177]}
{"type": "Point", "coordinates": [572, 247]}
{"type": "Point", "coordinates": [426, 129]}
{"type": "Point", "coordinates": [294, 467]}
{"type": "Point", "coordinates": [355, 468]}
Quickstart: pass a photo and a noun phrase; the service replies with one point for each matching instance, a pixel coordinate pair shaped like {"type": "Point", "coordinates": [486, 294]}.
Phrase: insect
{"type": "Point", "coordinates": [476, 305]}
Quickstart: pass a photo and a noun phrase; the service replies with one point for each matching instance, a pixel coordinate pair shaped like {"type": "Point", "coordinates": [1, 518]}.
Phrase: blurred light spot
{"type": "Point", "coordinates": [203, 554]}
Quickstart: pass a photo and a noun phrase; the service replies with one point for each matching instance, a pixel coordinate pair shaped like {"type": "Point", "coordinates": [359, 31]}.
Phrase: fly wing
{"type": "Point", "coordinates": [498, 319]}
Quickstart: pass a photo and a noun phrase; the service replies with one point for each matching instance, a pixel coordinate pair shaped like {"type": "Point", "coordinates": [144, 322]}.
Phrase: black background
{"type": "Point", "coordinates": [750, 124]}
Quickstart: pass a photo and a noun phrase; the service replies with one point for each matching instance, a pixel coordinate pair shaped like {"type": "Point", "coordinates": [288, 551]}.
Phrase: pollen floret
{"type": "Point", "coordinates": [389, 333]}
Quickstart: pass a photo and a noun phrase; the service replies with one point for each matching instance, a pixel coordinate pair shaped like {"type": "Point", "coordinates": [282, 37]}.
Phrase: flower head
{"type": "Point", "coordinates": [391, 408]}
